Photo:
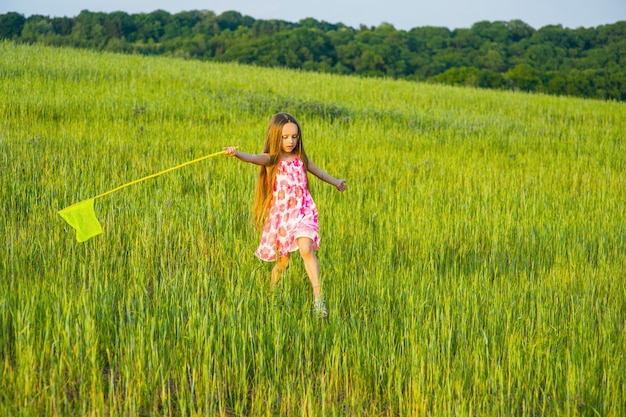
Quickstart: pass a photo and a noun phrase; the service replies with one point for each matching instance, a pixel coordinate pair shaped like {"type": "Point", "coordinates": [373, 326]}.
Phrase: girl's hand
{"type": "Point", "coordinates": [230, 151]}
{"type": "Point", "coordinates": [341, 185]}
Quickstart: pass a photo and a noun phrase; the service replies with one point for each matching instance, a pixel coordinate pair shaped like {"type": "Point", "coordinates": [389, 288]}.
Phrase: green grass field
{"type": "Point", "coordinates": [475, 265]}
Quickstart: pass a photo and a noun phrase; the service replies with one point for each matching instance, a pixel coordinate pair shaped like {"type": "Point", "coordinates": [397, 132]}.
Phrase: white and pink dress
{"type": "Point", "coordinates": [292, 213]}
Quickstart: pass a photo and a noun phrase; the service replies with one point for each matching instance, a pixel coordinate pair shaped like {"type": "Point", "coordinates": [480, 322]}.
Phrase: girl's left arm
{"type": "Point", "coordinates": [326, 177]}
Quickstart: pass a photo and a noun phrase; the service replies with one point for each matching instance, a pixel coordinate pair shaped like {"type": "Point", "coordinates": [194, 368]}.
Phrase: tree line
{"type": "Point", "coordinates": [583, 62]}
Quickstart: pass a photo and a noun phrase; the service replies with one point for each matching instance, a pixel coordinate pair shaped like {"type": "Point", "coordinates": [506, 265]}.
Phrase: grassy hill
{"type": "Point", "coordinates": [475, 265]}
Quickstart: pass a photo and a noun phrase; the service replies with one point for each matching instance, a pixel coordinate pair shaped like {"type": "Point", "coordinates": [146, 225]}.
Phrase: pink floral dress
{"type": "Point", "coordinates": [292, 214]}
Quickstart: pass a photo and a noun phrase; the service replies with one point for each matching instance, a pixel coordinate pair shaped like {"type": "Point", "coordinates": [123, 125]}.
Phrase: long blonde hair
{"type": "Point", "coordinates": [267, 174]}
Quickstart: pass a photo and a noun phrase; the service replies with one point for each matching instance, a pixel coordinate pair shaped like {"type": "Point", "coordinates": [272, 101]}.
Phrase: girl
{"type": "Point", "coordinates": [283, 208]}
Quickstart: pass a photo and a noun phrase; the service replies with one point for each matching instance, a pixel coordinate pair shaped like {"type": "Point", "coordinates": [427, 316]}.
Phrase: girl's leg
{"type": "Point", "coordinates": [313, 271]}
{"type": "Point", "coordinates": [277, 272]}
{"type": "Point", "coordinates": [311, 265]}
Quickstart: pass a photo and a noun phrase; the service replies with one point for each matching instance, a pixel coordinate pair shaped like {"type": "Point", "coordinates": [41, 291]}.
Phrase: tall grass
{"type": "Point", "coordinates": [474, 266]}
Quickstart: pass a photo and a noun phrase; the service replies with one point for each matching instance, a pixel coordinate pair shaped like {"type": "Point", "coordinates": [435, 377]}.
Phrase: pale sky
{"type": "Point", "coordinates": [402, 14]}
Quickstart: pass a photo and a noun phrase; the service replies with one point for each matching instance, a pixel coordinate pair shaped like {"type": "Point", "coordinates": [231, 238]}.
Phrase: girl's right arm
{"type": "Point", "coordinates": [257, 159]}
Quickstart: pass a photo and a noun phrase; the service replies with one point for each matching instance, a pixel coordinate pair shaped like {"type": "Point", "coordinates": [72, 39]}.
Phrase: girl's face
{"type": "Point", "coordinates": [290, 137]}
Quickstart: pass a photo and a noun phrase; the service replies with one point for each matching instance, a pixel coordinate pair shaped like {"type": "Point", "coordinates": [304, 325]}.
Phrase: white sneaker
{"type": "Point", "coordinates": [319, 309]}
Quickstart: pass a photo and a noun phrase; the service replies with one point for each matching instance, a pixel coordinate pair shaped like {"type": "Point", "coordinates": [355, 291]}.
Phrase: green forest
{"type": "Point", "coordinates": [582, 62]}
